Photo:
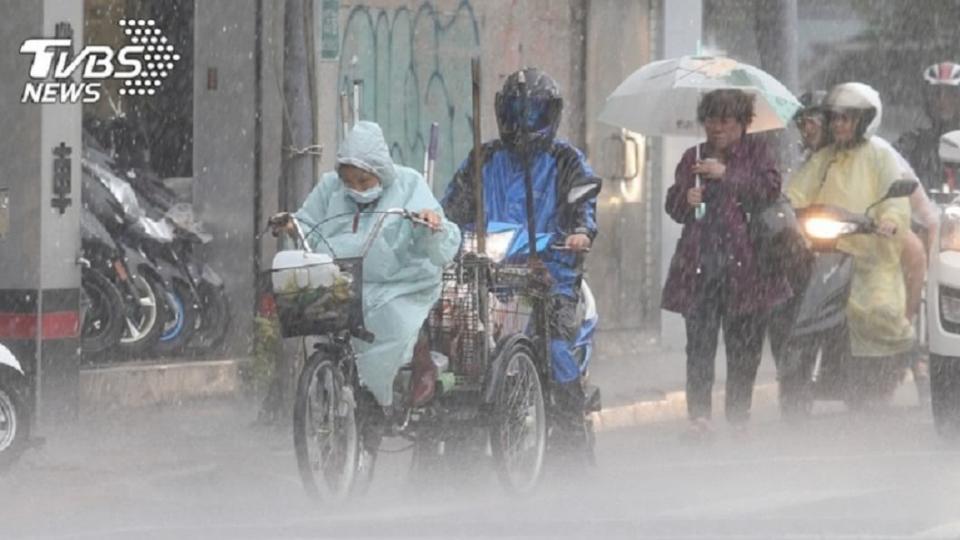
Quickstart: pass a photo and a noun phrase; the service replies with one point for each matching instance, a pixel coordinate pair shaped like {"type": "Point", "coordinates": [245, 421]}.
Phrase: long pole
{"type": "Point", "coordinates": [480, 223]}
{"type": "Point", "coordinates": [527, 176]}
{"type": "Point", "coordinates": [432, 148]}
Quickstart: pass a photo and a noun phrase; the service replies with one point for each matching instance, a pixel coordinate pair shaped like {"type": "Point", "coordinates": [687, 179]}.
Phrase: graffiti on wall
{"type": "Point", "coordinates": [415, 68]}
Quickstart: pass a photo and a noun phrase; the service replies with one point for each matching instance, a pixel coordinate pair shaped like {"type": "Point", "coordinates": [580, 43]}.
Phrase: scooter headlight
{"type": "Point", "coordinates": [827, 229]}
{"type": "Point", "coordinates": [950, 229]}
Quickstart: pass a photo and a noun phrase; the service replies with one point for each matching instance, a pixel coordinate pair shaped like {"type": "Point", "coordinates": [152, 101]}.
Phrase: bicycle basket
{"type": "Point", "coordinates": [455, 328]}
{"type": "Point", "coordinates": [315, 294]}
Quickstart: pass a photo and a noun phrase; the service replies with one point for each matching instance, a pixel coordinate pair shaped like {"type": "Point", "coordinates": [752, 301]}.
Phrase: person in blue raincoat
{"type": "Point", "coordinates": [565, 195]}
{"type": "Point", "coordinates": [402, 270]}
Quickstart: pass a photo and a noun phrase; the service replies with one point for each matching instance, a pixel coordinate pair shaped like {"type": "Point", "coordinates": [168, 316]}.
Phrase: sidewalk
{"type": "Point", "coordinates": [639, 381]}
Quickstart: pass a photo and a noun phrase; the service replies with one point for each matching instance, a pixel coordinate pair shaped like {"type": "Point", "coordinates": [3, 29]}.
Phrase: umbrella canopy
{"type": "Point", "coordinates": [661, 98]}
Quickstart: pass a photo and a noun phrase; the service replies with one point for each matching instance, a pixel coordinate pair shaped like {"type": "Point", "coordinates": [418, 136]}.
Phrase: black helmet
{"type": "Point", "coordinates": [534, 120]}
{"type": "Point", "coordinates": [812, 105]}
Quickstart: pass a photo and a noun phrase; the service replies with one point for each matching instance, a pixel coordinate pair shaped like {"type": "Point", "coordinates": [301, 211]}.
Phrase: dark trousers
{"type": "Point", "coordinates": [743, 337]}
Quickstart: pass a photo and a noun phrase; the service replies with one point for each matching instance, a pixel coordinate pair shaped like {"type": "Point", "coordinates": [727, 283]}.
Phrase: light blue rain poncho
{"type": "Point", "coordinates": [402, 270]}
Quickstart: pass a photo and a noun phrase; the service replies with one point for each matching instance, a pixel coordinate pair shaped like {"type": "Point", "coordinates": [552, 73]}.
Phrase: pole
{"type": "Point", "coordinates": [527, 175]}
{"type": "Point", "coordinates": [357, 87]}
{"type": "Point", "coordinates": [344, 114]}
{"type": "Point", "coordinates": [432, 153]}
{"type": "Point", "coordinates": [480, 223]}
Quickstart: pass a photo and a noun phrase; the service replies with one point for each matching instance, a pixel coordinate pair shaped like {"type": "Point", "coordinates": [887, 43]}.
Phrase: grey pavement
{"type": "Point", "coordinates": [204, 470]}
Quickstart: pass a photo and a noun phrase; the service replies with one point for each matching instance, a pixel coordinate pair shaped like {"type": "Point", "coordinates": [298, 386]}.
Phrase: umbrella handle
{"type": "Point", "coordinates": [701, 208]}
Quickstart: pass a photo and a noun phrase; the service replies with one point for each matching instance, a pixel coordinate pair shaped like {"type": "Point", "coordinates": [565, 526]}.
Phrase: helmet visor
{"type": "Point", "coordinates": [532, 114]}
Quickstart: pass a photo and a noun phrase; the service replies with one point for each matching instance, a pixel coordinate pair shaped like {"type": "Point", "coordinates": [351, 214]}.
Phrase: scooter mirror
{"type": "Point", "coordinates": [901, 188]}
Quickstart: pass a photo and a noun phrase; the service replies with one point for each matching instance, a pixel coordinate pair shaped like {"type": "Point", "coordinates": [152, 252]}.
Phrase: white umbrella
{"type": "Point", "coordinates": [661, 98]}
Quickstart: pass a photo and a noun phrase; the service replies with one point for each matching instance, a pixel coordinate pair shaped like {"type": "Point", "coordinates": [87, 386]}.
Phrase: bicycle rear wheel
{"type": "Point", "coordinates": [325, 434]}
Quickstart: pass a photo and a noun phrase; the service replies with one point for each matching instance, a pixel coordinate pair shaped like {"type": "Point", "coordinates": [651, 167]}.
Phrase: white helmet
{"type": "Point", "coordinates": [859, 96]}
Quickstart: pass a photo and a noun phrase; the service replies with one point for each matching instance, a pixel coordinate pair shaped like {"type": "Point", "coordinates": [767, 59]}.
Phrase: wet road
{"type": "Point", "coordinates": [204, 471]}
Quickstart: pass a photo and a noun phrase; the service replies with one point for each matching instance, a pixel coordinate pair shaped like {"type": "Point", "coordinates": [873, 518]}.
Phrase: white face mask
{"type": "Point", "coordinates": [365, 197]}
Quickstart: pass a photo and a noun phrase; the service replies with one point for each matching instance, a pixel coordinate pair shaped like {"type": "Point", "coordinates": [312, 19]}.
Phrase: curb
{"type": "Point", "coordinates": [672, 407]}
{"type": "Point", "coordinates": [173, 383]}
{"type": "Point", "coordinates": [139, 385]}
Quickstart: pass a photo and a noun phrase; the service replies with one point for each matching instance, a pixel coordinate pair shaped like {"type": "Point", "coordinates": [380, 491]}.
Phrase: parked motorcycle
{"type": "Point", "coordinates": [817, 362]}
{"type": "Point", "coordinates": [15, 414]}
{"type": "Point", "coordinates": [198, 311]}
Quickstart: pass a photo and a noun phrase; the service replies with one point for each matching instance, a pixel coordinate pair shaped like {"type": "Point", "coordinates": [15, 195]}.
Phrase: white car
{"type": "Point", "coordinates": [943, 302]}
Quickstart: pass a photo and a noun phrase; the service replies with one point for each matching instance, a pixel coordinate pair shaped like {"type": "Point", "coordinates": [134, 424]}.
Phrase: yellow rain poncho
{"type": "Point", "coordinates": [853, 179]}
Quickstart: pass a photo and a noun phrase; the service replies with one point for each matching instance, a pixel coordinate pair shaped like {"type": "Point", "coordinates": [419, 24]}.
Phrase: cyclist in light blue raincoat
{"type": "Point", "coordinates": [402, 269]}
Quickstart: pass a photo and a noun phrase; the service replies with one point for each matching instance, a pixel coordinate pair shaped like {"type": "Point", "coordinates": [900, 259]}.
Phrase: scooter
{"type": "Point", "coordinates": [816, 363]}
{"type": "Point", "coordinates": [943, 297]}
{"type": "Point", "coordinates": [15, 414]}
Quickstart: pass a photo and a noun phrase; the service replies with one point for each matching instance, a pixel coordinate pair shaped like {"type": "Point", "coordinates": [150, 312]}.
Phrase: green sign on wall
{"type": "Point", "coordinates": [330, 29]}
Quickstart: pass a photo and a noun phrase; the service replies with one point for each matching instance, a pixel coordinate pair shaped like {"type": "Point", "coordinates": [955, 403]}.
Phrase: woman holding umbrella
{"type": "Point", "coordinates": [713, 279]}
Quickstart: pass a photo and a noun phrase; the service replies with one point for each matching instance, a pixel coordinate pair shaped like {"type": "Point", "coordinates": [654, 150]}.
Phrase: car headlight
{"type": "Point", "coordinates": [826, 228]}
{"type": "Point", "coordinates": [950, 229]}
{"type": "Point", "coordinates": [950, 305]}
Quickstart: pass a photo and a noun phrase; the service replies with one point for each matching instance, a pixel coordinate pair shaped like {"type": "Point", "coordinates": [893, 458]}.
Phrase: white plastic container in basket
{"type": "Point", "coordinates": [298, 270]}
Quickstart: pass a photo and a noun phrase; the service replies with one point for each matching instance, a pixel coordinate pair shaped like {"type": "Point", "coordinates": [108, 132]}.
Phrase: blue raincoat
{"type": "Point", "coordinates": [565, 202]}
{"type": "Point", "coordinates": [402, 269]}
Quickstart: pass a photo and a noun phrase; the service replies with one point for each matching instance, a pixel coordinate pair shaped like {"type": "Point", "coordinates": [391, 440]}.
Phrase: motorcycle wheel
{"type": "Point", "coordinates": [945, 395]}
{"type": "Point", "coordinates": [102, 314]}
{"type": "Point", "coordinates": [214, 318]}
{"type": "Point", "coordinates": [519, 429]}
{"type": "Point", "coordinates": [325, 437]}
{"type": "Point", "coordinates": [145, 324]}
{"type": "Point", "coordinates": [14, 425]}
{"type": "Point", "coordinates": [181, 322]}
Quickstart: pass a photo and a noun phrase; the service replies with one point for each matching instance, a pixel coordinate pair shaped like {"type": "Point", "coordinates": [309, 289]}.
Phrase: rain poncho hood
{"type": "Point", "coordinates": [854, 178]}
{"type": "Point", "coordinates": [402, 269]}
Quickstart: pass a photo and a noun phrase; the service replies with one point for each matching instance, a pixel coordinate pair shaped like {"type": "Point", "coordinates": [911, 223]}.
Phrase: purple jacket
{"type": "Point", "coordinates": [751, 179]}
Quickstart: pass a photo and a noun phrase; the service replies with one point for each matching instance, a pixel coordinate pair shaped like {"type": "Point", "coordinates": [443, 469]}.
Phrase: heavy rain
{"type": "Point", "coordinates": [479, 269]}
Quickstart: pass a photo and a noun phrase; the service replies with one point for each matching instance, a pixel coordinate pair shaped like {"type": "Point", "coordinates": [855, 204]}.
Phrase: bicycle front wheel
{"type": "Point", "coordinates": [325, 434]}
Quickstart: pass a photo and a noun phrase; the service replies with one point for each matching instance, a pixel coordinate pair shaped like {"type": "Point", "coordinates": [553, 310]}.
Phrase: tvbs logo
{"type": "Point", "coordinates": [142, 65]}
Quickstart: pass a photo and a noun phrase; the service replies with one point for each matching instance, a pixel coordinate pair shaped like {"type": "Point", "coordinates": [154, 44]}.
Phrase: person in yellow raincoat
{"type": "Point", "coordinates": [853, 173]}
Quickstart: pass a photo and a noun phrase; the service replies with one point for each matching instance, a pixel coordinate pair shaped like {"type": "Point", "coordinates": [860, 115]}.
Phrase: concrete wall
{"type": "Point", "coordinates": [224, 147]}
{"type": "Point", "coordinates": [414, 58]}
{"type": "Point", "coordinates": [21, 123]}
{"type": "Point", "coordinates": [618, 42]}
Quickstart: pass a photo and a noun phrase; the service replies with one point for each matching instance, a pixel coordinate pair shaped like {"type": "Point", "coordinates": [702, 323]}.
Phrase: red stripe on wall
{"type": "Point", "coordinates": [56, 325]}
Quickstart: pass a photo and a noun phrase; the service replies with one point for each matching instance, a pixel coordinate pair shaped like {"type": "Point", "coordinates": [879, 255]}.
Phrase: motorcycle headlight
{"type": "Point", "coordinates": [497, 244]}
{"type": "Point", "coordinates": [826, 228]}
{"type": "Point", "coordinates": [950, 229]}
